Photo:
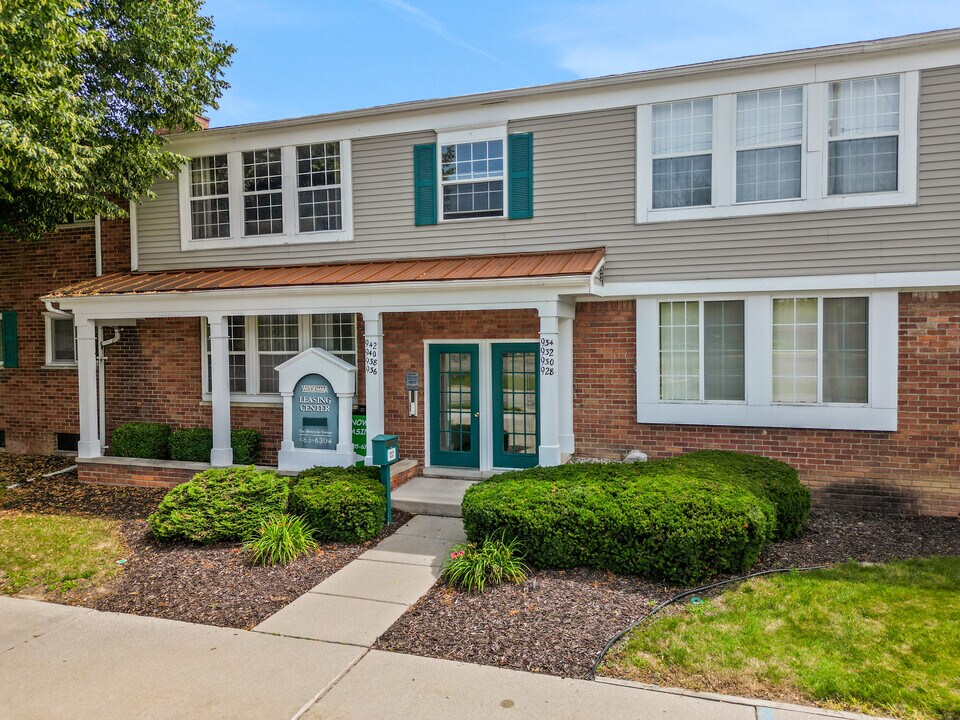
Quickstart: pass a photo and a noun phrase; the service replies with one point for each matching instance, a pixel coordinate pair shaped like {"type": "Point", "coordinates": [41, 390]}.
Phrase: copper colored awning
{"type": "Point", "coordinates": [483, 267]}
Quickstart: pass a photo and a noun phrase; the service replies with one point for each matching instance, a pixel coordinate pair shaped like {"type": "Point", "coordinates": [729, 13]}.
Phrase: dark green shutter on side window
{"type": "Point", "coordinates": [520, 157]}
{"type": "Point", "coordinates": [425, 184]}
{"type": "Point", "coordinates": [9, 339]}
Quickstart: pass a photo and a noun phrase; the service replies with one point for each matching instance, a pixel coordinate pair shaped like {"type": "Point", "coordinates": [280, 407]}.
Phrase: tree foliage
{"type": "Point", "coordinates": [85, 86]}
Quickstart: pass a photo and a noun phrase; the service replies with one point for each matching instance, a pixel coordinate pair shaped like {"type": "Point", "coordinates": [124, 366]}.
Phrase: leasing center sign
{"type": "Point", "coordinates": [316, 413]}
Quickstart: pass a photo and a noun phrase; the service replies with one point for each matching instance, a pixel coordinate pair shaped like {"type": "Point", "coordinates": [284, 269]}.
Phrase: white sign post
{"type": "Point", "coordinates": [317, 390]}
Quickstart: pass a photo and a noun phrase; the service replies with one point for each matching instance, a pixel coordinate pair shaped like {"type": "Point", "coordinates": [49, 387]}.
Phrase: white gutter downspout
{"type": "Point", "coordinates": [101, 377]}
{"type": "Point", "coordinates": [99, 249]}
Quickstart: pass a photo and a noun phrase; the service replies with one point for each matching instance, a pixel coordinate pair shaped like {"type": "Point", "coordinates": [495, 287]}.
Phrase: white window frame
{"type": "Point", "coordinates": [49, 360]}
{"type": "Point", "coordinates": [252, 354]}
{"type": "Point", "coordinates": [291, 227]}
{"type": "Point", "coordinates": [759, 409]}
{"type": "Point", "coordinates": [244, 194]}
{"type": "Point", "coordinates": [814, 153]}
{"type": "Point", "coordinates": [470, 135]}
{"type": "Point", "coordinates": [702, 354]}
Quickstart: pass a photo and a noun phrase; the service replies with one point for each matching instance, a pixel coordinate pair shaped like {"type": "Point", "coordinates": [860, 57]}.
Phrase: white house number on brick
{"type": "Point", "coordinates": [547, 359]}
{"type": "Point", "coordinates": [372, 355]}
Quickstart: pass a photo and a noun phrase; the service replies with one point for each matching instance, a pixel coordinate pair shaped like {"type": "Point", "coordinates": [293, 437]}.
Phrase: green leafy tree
{"type": "Point", "coordinates": [86, 89]}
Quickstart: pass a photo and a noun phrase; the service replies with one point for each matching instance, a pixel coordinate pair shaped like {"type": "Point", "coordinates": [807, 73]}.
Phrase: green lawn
{"type": "Point", "coordinates": [53, 553]}
{"type": "Point", "coordinates": [882, 639]}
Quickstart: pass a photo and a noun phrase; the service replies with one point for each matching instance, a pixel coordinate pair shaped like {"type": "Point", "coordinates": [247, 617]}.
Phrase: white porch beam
{"type": "Point", "coordinates": [89, 445]}
{"type": "Point", "coordinates": [549, 451]}
{"type": "Point", "coordinates": [373, 376]}
{"type": "Point", "coordinates": [222, 453]}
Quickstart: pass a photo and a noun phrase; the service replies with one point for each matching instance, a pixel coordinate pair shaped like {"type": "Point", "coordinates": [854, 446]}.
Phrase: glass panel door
{"type": "Point", "coordinates": [454, 410]}
{"type": "Point", "coordinates": [516, 416]}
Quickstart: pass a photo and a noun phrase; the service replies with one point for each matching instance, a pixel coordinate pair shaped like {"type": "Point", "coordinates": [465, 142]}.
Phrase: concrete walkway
{"type": "Point", "coordinates": [357, 604]}
{"type": "Point", "coordinates": [311, 660]}
{"type": "Point", "coordinates": [431, 496]}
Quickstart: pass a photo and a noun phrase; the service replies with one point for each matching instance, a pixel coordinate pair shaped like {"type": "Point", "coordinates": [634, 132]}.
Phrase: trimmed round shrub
{"type": "Point", "coordinates": [195, 444]}
{"type": "Point", "coordinates": [343, 504]}
{"type": "Point", "coordinates": [767, 478]}
{"type": "Point", "coordinates": [141, 440]}
{"type": "Point", "coordinates": [650, 519]}
{"type": "Point", "coordinates": [220, 504]}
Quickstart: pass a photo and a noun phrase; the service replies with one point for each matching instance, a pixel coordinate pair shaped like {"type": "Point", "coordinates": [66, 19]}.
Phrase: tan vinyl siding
{"type": "Point", "coordinates": [584, 185]}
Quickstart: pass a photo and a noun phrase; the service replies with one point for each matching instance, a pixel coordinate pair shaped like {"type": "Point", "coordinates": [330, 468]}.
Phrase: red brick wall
{"type": "Point", "coordinates": [403, 336]}
{"type": "Point", "coordinates": [916, 469]}
{"type": "Point", "coordinates": [37, 402]}
{"type": "Point", "coordinates": [143, 476]}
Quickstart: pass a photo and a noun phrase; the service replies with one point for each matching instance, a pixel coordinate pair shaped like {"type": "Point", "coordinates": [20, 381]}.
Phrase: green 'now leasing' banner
{"type": "Point", "coordinates": [360, 435]}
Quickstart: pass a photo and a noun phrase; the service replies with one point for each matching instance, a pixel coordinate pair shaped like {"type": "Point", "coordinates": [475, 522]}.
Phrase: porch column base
{"type": "Point", "coordinates": [550, 455]}
{"type": "Point", "coordinates": [221, 457]}
{"type": "Point", "coordinates": [88, 449]}
{"type": "Point", "coordinates": [568, 444]}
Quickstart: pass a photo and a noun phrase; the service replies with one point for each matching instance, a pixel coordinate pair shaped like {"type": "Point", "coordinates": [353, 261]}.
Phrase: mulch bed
{"type": "Point", "coordinates": [212, 584]}
{"type": "Point", "coordinates": [559, 620]}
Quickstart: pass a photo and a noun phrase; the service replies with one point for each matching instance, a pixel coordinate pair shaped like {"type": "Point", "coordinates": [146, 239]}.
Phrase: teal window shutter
{"type": "Point", "coordinates": [10, 355]}
{"type": "Point", "coordinates": [520, 151]}
{"type": "Point", "coordinates": [425, 184]}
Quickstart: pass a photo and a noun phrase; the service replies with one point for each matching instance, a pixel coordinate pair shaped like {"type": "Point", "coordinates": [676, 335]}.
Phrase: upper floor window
{"type": "Point", "coordinates": [209, 197]}
{"type": "Point", "coordinates": [471, 176]}
{"type": "Point", "coordinates": [262, 192]}
{"type": "Point", "coordinates": [769, 144]}
{"type": "Point", "coordinates": [318, 183]}
{"type": "Point", "coordinates": [682, 153]}
{"type": "Point", "coordinates": [864, 131]}
{"type": "Point", "coordinates": [823, 145]}
{"type": "Point", "coordinates": [287, 194]}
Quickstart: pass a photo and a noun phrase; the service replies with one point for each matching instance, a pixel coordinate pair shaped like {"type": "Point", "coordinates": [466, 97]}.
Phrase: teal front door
{"type": "Point", "coordinates": [516, 416]}
{"type": "Point", "coordinates": [454, 405]}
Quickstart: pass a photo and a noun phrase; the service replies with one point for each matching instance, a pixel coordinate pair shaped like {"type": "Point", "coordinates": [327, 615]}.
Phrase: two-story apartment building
{"type": "Point", "coordinates": [758, 254]}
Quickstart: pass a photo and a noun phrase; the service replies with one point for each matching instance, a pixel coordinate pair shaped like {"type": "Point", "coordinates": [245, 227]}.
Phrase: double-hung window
{"type": "Point", "coordinates": [262, 192]}
{"type": "Point", "coordinates": [257, 344]}
{"type": "Point", "coordinates": [820, 350]}
{"type": "Point", "coordinates": [769, 144]}
{"type": "Point", "coordinates": [701, 351]}
{"type": "Point", "coordinates": [682, 153]}
{"type": "Point", "coordinates": [471, 178]}
{"type": "Point", "coordinates": [209, 197]}
{"type": "Point", "coordinates": [318, 187]}
{"type": "Point", "coordinates": [268, 196]}
{"type": "Point", "coordinates": [864, 135]}
{"type": "Point", "coordinates": [61, 341]}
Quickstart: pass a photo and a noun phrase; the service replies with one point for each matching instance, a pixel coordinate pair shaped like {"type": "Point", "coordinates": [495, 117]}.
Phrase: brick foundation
{"type": "Point", "coordinates": [913, 470]}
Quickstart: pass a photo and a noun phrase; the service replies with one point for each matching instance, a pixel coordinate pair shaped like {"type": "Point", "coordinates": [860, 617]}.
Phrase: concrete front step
{"type": "Point", "coordinates": [431, 496]}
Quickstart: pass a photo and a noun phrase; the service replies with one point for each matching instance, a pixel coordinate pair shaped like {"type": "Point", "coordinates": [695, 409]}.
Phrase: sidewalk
{"type": "Point", "coordinates": [311, 660]}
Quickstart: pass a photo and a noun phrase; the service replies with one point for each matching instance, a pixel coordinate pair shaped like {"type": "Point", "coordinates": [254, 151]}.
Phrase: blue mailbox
{"type": "Point", "coordinates": [386, 451]}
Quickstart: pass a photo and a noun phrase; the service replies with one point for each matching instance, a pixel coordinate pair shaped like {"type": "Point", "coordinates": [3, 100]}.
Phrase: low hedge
{"type": "Point", "coordinates": [770, 479]}
{"type": "Point", "coordinates": [344, 504]}
{"type": "Point", "coordinates": [656, 519]}
{"type": "Point", "coordinates": [195, 444]}
{"type": "Point", "coordinates": [220, 504]}
{"type": "Point", "coordinates": [141, 440]}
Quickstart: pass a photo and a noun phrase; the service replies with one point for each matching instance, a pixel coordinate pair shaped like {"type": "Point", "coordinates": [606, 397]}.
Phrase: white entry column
{"type": "Point", "coordinates": [565, 368]}
{"type": "Point", "coordinates": [222, 453]}
{"type": "Point", "coordinates": [89, 445]}
{"type": "Point", "coordinates": [549, 390]}
{"type": "Point", "coordinates": [373, 376]}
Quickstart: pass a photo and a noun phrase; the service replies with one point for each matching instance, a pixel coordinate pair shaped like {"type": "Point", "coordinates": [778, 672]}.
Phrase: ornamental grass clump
{"type": "Point", "coordinates": [280, 540]}
{"type": "Point", "coordinates": [471, 566]}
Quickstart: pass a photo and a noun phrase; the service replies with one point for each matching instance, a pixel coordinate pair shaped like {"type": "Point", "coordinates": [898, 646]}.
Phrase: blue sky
{"type": "Point", "coordinates": [300, 57]}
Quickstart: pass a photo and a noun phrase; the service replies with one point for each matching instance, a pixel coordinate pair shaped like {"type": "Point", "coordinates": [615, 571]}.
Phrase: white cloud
{"type": "Point", "coordinates": [434, 25]}
{"type": "Point", "coordinates": [603, 37]}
